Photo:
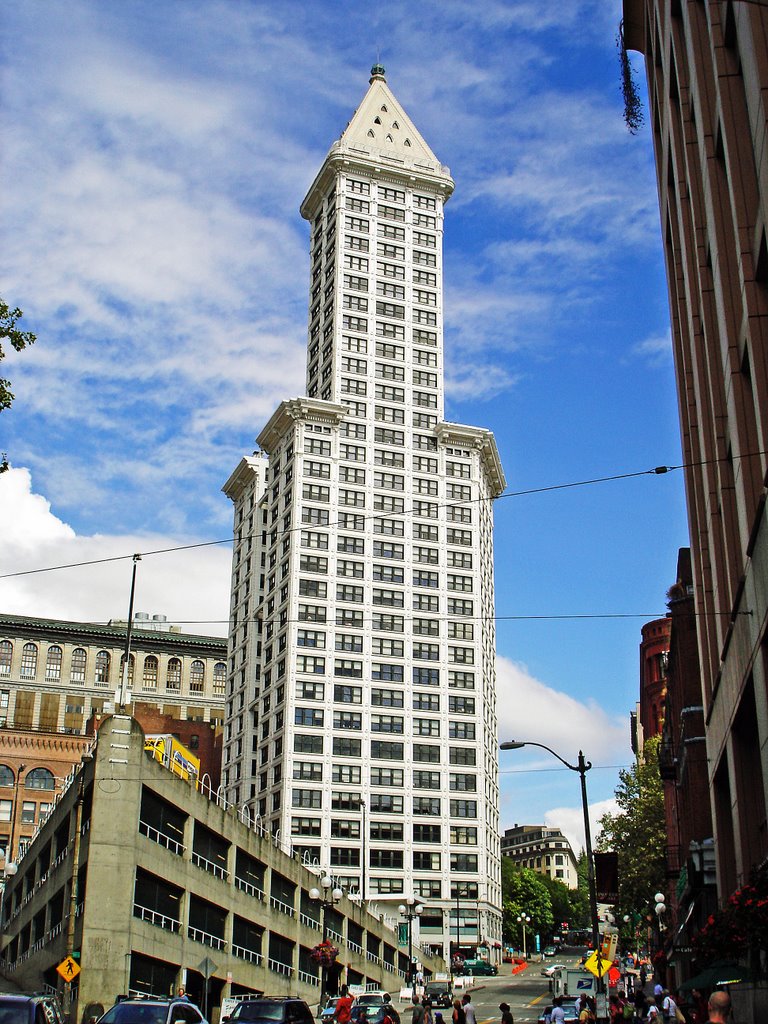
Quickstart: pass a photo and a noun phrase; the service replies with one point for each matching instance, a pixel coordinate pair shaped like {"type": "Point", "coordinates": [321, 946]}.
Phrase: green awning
{"type": "Point", "coordinates": [719, 973]}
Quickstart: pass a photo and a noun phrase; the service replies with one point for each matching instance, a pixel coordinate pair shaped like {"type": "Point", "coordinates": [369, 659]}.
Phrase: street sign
{"type": "Point", "coordinates": [591, 965]}
{"type": "Point", "coordinates": [68, 969]}
{"type": "Point", "coordinates": [207, 968]}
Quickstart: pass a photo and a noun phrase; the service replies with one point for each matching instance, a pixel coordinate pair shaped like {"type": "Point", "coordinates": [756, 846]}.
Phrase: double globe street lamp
{"type": "Point", "coordinates": [410, 910]}
{"type": "Point", "coordinates": [524, 919]}
{"type": "Point", "coordinates": [329, 895]}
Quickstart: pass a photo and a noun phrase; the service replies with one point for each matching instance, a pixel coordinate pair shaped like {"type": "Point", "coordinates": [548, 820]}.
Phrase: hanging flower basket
{"type": "Point", "coordinates": [324, 953]}
{"type": "Point", "coordinates": [740, 926]}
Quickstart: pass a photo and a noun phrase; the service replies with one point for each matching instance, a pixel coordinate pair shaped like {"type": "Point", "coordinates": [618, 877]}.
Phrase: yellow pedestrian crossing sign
{"type": "Point", "coordinates": [68, 969]}
{"type": "Point", "coordinates": [591, 964]}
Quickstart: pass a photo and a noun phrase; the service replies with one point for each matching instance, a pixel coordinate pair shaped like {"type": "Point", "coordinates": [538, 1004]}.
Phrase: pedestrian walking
{"type": "Point", "coordinates": [719, 1008]}
{"type": "Point", "coordinates": [652, 1012]}
{"type": "Point", "coordinates": [417, 1013]}
{"type": "Point", "coordinates": [458, 1016]}
{"type": "Point", "coordinates": [668, 1006]}
{"type": "Point", "coordinates": [469, 1010]}
{"type": "Point", "coordinates": [506, 1014]}
{"type": "Point", "coordinates": [342, 1011]}
{"type": "Point", "coordinates": [558, 1013]}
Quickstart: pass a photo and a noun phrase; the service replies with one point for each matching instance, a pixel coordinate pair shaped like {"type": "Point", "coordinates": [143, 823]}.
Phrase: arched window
{"type": "Point", "coordinates": [77, 665]}
{"type": "Point", "coordinates": [103, 661]}
{"type": "Point", "coordinates": [6, 657]}
{"type": "Point", "coordinates": [219, 678]}
{"type": "Point", "coordinates": [149, 682]}
{"type": "Point", "coordinates": [29, 661]}
{"type": "Point", "coordinates": [196, 677]}
{"type": "Point", "coordinates": [40, 778]}
{"type": "Point", "coordinates": [173, 678]}
{"type": "Point", "coordinates": [7, 778]}
{"type": "Point", "coordinates": [53, 663]}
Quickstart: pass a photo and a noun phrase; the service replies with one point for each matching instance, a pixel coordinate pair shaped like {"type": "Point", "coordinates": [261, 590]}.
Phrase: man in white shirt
{"type": "Point", "coordinates": [668, 1007]}
{"type": "Point", "coordinates": [469, 1009]}
{"type": "Point", "coordinates": [558, 1013]}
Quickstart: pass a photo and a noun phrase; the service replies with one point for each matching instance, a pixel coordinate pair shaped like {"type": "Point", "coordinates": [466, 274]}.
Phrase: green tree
{"type": "Point", "coordinates": [637, 832]}
{"type": "Point", "coordinates": [571, 905]}
{"type": "Point", "coordinates": [19, 340]}
{"type": "Point", "coordinates": [524, 892]}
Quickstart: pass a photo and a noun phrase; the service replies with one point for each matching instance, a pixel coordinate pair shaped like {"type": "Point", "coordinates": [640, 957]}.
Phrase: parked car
{"type": "Point", "coordinates": [326, 1014]}
{"type": "Point", "coordinates": [570, 1011]}
{"type": "Point", "coordinates": [479, 967]}
{"type": "Point", "coordinates": [439, 993]}
{"type": "Point", "coordinates": [270, 1010]}
{"type": "Point", "coordinates": [16, 1008]}
{"type": "Point", "coordinates": [377, 998]}
{"type": "Point", "coordinates": [153, 1010]}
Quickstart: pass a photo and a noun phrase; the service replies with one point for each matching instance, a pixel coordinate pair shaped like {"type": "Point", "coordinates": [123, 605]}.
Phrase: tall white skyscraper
{"type": "Point", "coordinates": [361, 706]}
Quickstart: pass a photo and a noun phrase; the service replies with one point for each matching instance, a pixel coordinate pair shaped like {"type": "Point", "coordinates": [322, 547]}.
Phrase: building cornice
{"type": "Point", "coordinates": [298, 410]}
{"type": "Point", "coordinates": [92, 632]}
{"type": "Point", "coordinates": [483, 441]}
{"type": "Point", "coordinates": [344, 158]}
{"type": "Point", "coordinates": [242, 478]}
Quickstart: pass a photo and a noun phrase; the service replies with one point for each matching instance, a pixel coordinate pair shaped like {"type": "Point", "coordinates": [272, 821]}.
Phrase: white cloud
{"type": "Point", "coordinates": [530, 710]}
{"type": "Point", "coordinates": [190, 587]}
{"type": "Point", "coordinates": [570, 821]}
{"type": "Point", "coordinates": [655, 350]}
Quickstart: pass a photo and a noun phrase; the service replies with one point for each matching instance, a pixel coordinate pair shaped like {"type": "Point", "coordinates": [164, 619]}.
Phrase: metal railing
{"type": "Point", "coordinates": [210, 866]}
{"type": "Point", "coordinates": [246, 954]}
{"type": "Point", "coordinates": [145, 829]}
{"type": "Point", "coordinates": [198, 935]}
{"type": "Point", "coordinates": [170, 924]}
{"type": "Point", "coordinates": [279, 967]}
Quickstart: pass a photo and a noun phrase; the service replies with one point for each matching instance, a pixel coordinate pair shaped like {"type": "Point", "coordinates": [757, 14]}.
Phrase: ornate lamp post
{"type": "Point", "coordinates": [329, 896]}
{"type": "Point", "coordinates": [410, 910]}
{"type": "Point", "coordinates": [524, 919]}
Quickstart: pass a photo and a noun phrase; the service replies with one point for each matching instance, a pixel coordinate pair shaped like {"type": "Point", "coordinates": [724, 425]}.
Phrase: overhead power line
{"type": "Point", "coordinates": [590, 482]}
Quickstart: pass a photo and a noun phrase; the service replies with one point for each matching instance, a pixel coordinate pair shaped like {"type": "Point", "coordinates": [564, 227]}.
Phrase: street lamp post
{"type": "Point", "coordinates": [329, 895]}
{"type": "Point", "coordinates": [524, 919]}
{"type": "Point", "coordinates": [410, 910]}
{"type": "Point", "coordinates": [582, 767]}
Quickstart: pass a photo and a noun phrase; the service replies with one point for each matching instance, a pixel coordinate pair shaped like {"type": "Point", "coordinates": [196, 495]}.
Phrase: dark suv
{"type": "Point", "coordinates": [275, 1010]}
{"type": "Point", "coordinates": [30, 1009]}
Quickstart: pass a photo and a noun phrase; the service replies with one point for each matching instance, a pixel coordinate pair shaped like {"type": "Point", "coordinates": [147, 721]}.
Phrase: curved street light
{"type": "Point", "coordinates": [582, 767]}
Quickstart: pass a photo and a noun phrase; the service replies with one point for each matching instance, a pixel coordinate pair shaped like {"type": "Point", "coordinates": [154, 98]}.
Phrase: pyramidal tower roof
{"type": "Point", "coordinates": [382, 134]}
{"type": "Point", "coordinates": [381, 125]}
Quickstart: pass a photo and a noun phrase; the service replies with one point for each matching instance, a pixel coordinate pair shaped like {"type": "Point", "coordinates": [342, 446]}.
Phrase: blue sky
{"type": "Point", "coordinates": [154, 159]}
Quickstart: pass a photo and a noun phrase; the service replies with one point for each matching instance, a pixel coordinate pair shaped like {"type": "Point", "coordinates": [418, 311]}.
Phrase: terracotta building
{"type": "Point", "coordinates": [654, 652]}
{"type": "Point", "coordinates": [690, 851]}
{"type": "Point", "coordinates": [707, 71]}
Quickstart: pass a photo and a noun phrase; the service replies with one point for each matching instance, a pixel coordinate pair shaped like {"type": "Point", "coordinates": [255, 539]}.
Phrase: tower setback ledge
{"type": "Point", "coordinates": [299, 409]}
{"type": "Point", "coordinates": [481, 439]}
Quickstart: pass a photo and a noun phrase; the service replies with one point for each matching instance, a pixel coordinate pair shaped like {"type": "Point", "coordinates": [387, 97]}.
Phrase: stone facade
{"type": "Point", "coordinates": [54, 674]}
{"type": "Point", "coordinates": [542, 849]}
